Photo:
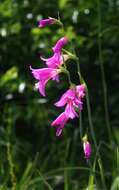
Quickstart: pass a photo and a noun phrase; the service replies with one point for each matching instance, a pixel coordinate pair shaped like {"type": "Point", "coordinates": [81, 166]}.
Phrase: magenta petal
{"type": "Point", "coordinates": [54, 61]}
{"type": "Point", "coordinates": [60, 121]}
{"type": "Point", "coordinates": [70, 112]}
{"type": "Point", "coordinates": [58, 131]}
{"type": "Point", "coordinates": [42, 87]}
{"type": "Point", "coordinates": [56, 78]}
{"type": "Point", "coordinates": [80, 90]}
{"type": "Point", "coordinates": [87, 149]}
{"type": "Point", "coordinates": [43, 75]}
{"type": "Point", "coordinates": [78, 104]}
{"type": "Point", "coordinates": [59, 44]}
{"type": "Point", "coordinates": [45, 22]}
{"type": "Point", "coordinates": [61, 102]}
{"type": "Point", "coordinates": [69, 94]}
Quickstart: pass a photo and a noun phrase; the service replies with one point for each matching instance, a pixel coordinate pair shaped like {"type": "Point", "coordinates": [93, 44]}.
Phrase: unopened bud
{"type": "Point", "coordinates": [86, 147]}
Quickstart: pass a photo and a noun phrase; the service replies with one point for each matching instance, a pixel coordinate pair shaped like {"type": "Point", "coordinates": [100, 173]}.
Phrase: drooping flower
{"type": "Point", "coordinates": [56, 60]}
{"type": "Point", "coordinates": [70, 110]}
{"type": "Point", "coordinates": [72, 98]}
{"type": "Point", "coordinates": [59, 44]}
{"type": "Point", "coordinates": [43, 76]}
{"type": "Point", "coordinates": [45, 22]}
{"type": "Point", "coordinates": [69, 94]}
{"type": "Point", "coordinates": [86, 147]}
{"type": "Point", "coordinates": [59, 122]}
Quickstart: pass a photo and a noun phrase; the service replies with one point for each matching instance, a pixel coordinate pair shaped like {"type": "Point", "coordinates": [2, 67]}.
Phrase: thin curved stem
{"type": "Point", "coordinates": [104, 85]}
{"type": "Point", "coordinates": [80, 124]}
{"type": "Point", "coordinates": [90, 118]}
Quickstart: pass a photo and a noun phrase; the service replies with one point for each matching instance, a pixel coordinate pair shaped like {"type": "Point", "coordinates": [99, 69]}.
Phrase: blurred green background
{"type": "Point", "coordinates": [31, 156]}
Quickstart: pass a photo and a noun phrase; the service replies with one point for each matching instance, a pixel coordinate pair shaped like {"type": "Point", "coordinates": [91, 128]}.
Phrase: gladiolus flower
{"type": "Point", "coordinates": [57, 59]}
{"type": "Point", "coordinates": [72, 98]}
{"type": "Point", "coordinates": [60, 121]}
{"type": "Point", "coordinates": [70, 111]}
{"type": "Point", "coordinates": [43, 76]}
{"type": "Point", "coordinates": [45, 22]}
{"type": "Point", "coordinates": [59, 45]}
{"type": "Point", "coordinates": [54, 61]}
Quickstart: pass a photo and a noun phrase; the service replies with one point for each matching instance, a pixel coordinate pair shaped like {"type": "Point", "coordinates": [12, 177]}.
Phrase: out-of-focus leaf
{"type": "Point", "coordinates": [6, 8]}
{"type": "Point", "coordinates": [15, 28]}
{"type": "Point", "coordinates": [11, 74]}
{"type": "Point", "coordinates": [62, 3]}
{"type": "Point", "coordinates": [115, 184]}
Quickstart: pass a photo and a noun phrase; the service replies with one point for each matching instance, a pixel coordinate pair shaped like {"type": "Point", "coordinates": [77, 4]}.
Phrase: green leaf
{"type": "Point", "coordinates": [62, 3]}
{"type": "Point", "coordinates": [10, 74]}
{"type": "Point", "coordinates": [115, 184]}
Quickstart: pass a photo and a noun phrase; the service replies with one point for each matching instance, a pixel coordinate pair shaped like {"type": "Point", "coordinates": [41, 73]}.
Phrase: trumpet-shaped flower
{"type": "Point", "coordinates": [54, 61]}
{"type": "Point", "coordinates": [57, 59]}
{"type": "Point", "coordinates": [73, 99]}
{"type": "Point", "coordinates": [70, 111]}
{"type": "Point", "coordinates": [45, 22]}
{"type": "Point", "coordinates": [59, 122]}
{"type": "Point", "coordinates": [43, 76]}
{"type": "Point", "coordinates": [59, 44]}
{"type": "Point", "coordinates": [68, 95]}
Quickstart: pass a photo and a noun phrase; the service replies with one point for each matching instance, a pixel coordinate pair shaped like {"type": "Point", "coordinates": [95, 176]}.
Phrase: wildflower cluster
{"type": "Point", "coordinates": [72, 99]}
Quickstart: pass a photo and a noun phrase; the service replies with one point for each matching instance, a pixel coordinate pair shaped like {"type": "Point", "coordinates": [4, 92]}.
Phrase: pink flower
{"type": "Point", "coordinates": [60, 121]}
{"type": "Point", "coordinates": [57, 59]}
{"type": "Point", "coordinates": [45, 22]}
{"type": "Point", "coordinates": [70, 111]}
{"type": "Point", "coordinates": [80, 90]}
{"type": "Point", "coordinates": [59, 45]}
{"type": "Point", "coordinates": [43, 76]}
{"type": "Point", "coordinates": [87, 149]}
{"type": "Point", "coordinates": [54, 61]}
{"type": "Point", "coordinates": [73, 99]}
{"type": "Point", "coordinates": [68, 95]}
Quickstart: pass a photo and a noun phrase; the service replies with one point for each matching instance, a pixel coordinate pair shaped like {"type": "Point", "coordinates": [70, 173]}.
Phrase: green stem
{"type": "Point", "coordinates": [88, 105]}
{"type": "Point", "coordinates": [80, 125]}
{"type": "Point", "coordinates": [11, 165]}
{"type": "Point", "coordinates": [90, 118]}
{"type": "Point", "coordinates": [64, 70]}
{"type": "Point", "coordinates": [45, 181]}
{"type": "Point", "coordinates": [102, 174]}
{"type": "Point", "coordinates": [65, 159]}
{"type": "Point", "coordinates": [104, 85]}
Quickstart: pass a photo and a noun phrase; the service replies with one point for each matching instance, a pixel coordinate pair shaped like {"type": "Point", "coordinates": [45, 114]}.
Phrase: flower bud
{"type": "Point", "coordinates": [86, 147]}
{"type": "Point", "coordinates": [45, 22]}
